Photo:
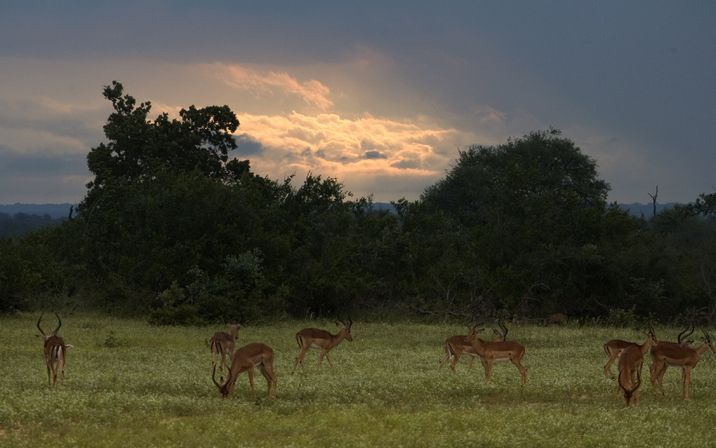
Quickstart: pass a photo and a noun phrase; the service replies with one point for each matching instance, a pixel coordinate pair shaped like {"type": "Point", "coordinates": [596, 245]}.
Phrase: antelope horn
{"type": "Point", "coordinates": [501, 323]}
{"type": "Point", "coordinates": [38, 324]}
{"type": "Point", "coordinates": [58, 325]}
{"type": "Point", "coordinates": [683, 335]}
{"type": "Point", "coordinates": [213, 378]}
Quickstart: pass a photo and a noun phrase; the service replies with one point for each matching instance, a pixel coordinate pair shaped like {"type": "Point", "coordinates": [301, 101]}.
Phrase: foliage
{"type": "Point", "coordinates": [176, 227]}
{"type": "Point", "coordinates": [28, 271]}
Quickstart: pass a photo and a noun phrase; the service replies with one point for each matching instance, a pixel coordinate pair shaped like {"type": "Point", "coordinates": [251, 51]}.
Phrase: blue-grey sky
{"type": "Point", "coordinates": [378, 94]}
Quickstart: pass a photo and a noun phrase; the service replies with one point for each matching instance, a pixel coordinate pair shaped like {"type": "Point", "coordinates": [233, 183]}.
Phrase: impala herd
{"type": "Point", "coordinates": [630, 355]}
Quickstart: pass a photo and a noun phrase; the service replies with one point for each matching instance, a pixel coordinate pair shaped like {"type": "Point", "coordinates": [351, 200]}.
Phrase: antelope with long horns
{"type": "Point", "coordinates": [255, 354]}
{"type": "Point", "coordinates": [55, 352]}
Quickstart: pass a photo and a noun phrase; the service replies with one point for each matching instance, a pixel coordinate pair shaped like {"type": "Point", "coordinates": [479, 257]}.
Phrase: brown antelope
{"type": "Point", "coordinates": [615, 347]}
{"type": "Point", "coordinates": [631, 361]}
{"type": "Point", "coordinates": [455, 346]}
{"type": "Point", "coordinates": [664, 355]}
{"type": "Point", "coordinates": [681, 341]}
{"type": "Point", "coordinates": [222, 344]}
{"type": "Point", "coordinates": [321, 339]}
{"type": "Point", "coordinates": [461, 345]}
{"type": "Point", "coordinates": [489, 352]}
{"type": "Point", "coordinates": [255, 354]}
{"type": "Point", "coordinates": [55, 352]}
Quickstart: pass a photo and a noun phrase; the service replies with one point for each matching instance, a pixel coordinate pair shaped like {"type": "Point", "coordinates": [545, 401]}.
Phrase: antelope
{"type": "Point", "coordinates": [664, 355]}
{"type": "Point", "coordinates": [615, 347]}
{"type": "Point", "coordinates": [630, 364]}
{"type": "Point", "coordinates": [244, 360]}
{"type": "Point", "coordinates": [681, 341]}
{"type": "Point", "coordinates": [222, 344]}
{"type": "Point", "coordinates": [55, 351]}
{"type": "Point", "coordinates": [455, 346]}
{"type": "Point", "coordinates": [489, 352]}
{"type": "Point", "coordinates": [461, 345]}
{"type": "Point", "coordinates": [321, 339]}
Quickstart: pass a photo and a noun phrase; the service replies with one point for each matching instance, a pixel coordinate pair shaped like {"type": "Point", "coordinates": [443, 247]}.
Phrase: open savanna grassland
{"type": "Point", "coordinates": [132, 384]}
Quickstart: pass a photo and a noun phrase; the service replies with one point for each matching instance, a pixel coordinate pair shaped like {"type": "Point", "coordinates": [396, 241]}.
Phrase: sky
{"type": "Point", "coordinates": [378, 94]}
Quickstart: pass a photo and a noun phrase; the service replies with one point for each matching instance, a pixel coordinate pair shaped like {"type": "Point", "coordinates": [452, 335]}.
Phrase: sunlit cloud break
{"type": "Point", "coordinates": [261, 83]}
{"type": "Point", "coordinates": [354, 150]}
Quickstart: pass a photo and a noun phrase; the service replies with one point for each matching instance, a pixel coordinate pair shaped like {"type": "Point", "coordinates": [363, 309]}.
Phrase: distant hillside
{"type": "Point", "coordinates": [635, 209]}
{"type": "Point", "coordinates": [646, 210]}
{"type": "Point", "coordinates": [55, 211]}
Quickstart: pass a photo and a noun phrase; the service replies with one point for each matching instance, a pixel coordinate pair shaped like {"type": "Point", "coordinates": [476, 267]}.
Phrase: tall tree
{"type": "Point", "coordinates": [138, 148]}
{"type": "Point", "coordinates": [535, 209]}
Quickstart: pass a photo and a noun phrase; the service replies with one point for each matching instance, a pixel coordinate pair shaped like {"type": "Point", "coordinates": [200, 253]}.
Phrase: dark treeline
{"type": "Point", "coordinates": [172, 228]}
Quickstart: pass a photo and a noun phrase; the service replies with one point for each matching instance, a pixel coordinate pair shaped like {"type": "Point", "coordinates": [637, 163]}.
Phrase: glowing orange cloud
{"type": "Point", "coordinates": [362, 152]}
{"type": "Point", "coordinates": [268, 82]}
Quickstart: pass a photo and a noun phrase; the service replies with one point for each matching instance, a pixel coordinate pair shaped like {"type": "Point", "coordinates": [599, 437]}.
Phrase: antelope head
{"type": "Point", "coordinates": [346, 329]}
{"type": "Point", "coordinates": [223, 387]}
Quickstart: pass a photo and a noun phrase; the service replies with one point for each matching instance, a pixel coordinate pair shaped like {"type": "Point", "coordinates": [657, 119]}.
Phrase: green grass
{"type": "Point", "coordinates": [151, 386]}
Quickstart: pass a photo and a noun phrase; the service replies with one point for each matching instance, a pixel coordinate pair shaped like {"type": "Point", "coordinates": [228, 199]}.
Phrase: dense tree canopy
{"type": "Point", "coordinates": [177, 228]}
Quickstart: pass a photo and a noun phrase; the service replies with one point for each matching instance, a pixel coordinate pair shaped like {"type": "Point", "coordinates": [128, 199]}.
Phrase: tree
{"type": "Point", "coordinates": [138, 148]}
{"type": "Point", "coordinates": [535, 210]}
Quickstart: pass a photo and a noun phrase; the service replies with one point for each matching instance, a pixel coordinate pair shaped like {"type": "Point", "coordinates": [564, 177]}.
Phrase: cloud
{"type": "Point", "coordinates": [247, 146]}
{"type": "Point", "coordinates": [44, 124]}
{"type": "Point", "coordinates": [364, 152]}
{"type": "Point", "coordinates": [41, 176]}
{"type": "Point", "coordinates": [268, 83]}
{"type": "Point", "coordinates": [374, 155]}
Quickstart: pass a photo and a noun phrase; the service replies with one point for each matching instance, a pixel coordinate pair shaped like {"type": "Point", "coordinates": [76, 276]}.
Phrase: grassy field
{"type": "Point", "coordinates": [131, 384]}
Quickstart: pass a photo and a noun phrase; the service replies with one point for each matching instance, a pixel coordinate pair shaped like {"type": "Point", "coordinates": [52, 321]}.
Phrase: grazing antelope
{"type": "Point", "coordinates": [321, 339]}
{"type": "Point", "coordinates": [255, 354]}
{"type": "Point", "coordinates": [55, 351]}
{"type": "Point", "coordinates": [631, 361]}
{"type": "Point", "coordinates": [222, 344]}
{"type": "Point", "coordinates": [664, 355]}
{"type": "Point", "coordinates": [615, 347]}
{"type": "Point", "coordinates": [489, 352]}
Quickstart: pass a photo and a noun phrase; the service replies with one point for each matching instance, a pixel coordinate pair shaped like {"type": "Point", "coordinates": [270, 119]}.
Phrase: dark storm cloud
{"type": "Point", "coordinates": [248, 146]}
{"type": "Point", "coordinates": [641, 72]}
